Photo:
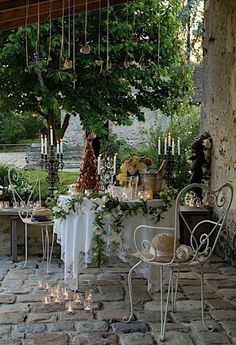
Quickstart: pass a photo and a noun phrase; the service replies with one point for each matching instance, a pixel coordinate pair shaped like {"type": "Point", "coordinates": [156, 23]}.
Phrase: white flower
{"type": "Point", "coordinates": [98, 230]}
{"type": "Point", "coordinates": [116, 237]}
{"type": "Point", "coordinates": [101, 202]}
{"type": "Point", "coordinates": [206, 143]}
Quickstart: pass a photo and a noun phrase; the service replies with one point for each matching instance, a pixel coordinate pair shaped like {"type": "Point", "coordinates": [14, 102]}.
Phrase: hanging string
{"type": "Point", "coordinates": [38, 32]}
{"type": "Point", "coordinates": [68, 29]}
{"type": "Point", "coordinates": [108, 18]}
{"type": "Point", "coordinates": [73, 42]}
{"type": "Point", "coordinates": [86, 22]}
{"type": "Point", "coordinates": [26, 34]}
{"type": "Point", "coordinates": [62, 31]}
{"type": "Point", "coordinates": [99, 30]}
{"type": "Point", "coordinates": [50, 32]}
{"type": "Point", "coordinates": [159, 36]}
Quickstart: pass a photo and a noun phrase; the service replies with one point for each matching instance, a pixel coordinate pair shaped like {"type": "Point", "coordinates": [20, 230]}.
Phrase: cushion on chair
{"type": "Point", "coordinates": [162, 249]}
{"type": "Point", "coordinates": [41, 215]}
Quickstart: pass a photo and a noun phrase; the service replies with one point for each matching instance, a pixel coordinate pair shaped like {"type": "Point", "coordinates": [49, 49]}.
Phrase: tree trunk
{"type": "Point", "coordinates": [219, 102]}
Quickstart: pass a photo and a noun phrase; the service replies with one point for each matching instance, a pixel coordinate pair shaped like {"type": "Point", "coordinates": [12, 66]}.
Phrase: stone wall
{"type": "Point", "coordinates": [135, 135]}
{"type": "Point", "coordinates": [219, 103]}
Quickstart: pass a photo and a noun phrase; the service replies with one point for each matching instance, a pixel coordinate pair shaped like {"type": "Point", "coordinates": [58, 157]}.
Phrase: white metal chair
{"type": "Point", "coordinates": [26, 191]}
{"type": "Point", "coordinates": [203, 238]}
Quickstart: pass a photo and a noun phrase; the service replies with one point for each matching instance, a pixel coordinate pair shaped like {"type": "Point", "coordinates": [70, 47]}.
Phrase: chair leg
{"type": "Point", "coordinates": [164, 315]}
{"type": "Point", "coordinates": [52, 244]}
{"type": "Point", "coordinates": [47, 247]}
{"type": "Point", "coordinates": [210, 328]}
{"type": "Point", "coordinates": [26, 245]}
{"type": "Point", "coordinates": [43, 242]}
{"type": "Point", "coordinates": [176, 290]}
{"type": "Point", "coordinates": [131, 290]}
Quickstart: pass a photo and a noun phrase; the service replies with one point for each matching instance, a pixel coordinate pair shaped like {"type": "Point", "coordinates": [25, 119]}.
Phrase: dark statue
{"type": "Point", "coordinates": [201, 158]}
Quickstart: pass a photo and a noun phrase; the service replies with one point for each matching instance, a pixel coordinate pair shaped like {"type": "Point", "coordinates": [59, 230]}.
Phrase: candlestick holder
{"type": "Point", "coordinates": [106, 171]}
{"type": "Point", "coordinates": [172, 161]}
{"type": "Point", "coordinates": [52, 163]}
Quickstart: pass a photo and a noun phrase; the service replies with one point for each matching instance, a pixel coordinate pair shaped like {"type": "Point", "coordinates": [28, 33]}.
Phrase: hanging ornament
{"type": "Point", "coordinates": [99, 61]}
{"type": "Point", "coordinates": [65, 63]}
{"type": "Point", "coordinates": [85, 49]}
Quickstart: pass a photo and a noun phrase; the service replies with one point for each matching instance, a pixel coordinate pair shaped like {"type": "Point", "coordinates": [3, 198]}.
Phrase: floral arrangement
{"type": "Point", "coordinates": [135, 165]}
{"type": "Point", "coordinates": [103, 205]}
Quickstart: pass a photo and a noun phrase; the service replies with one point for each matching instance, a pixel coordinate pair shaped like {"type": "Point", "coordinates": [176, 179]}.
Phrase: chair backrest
{"type": "Point", "coordinates": [25, 187]}
{"type": "Point", "coordinates": [203, 235]}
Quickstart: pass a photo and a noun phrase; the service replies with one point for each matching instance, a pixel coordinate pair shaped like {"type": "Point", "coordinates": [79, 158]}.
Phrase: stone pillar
{"type": "Point", "coordinates": [219, 103]}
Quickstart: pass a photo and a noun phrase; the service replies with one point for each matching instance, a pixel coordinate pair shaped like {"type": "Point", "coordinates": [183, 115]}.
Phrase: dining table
{"type": "Point", "coordinates": [75, 236]}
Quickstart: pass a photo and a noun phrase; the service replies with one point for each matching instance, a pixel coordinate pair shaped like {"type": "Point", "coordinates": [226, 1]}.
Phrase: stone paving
{"type": "Point", "coordinates": [26, 320]}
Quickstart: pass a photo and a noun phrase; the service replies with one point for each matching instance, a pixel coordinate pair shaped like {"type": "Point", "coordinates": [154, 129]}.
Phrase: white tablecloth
{"type": "Point", "coordinates": [75, 235]}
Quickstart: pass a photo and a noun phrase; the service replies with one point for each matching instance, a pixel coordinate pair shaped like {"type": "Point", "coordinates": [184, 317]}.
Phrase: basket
{"type": "Point", "coordinates": [153, 182]}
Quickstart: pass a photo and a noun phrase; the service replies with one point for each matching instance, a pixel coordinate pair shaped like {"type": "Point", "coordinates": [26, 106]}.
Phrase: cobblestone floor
{"type": "Point", "coordinates": [26, 320]}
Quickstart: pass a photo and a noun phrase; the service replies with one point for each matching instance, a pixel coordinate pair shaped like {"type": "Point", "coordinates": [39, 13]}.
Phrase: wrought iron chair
{"type": "Point", "coordinates": [26, 191]}
{"type": "Point", "coordinates": [203, 237]}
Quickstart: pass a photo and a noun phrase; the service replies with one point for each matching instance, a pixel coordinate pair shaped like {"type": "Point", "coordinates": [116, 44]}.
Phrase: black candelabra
{"type": "Point", "coordinates": [52, 162]}
{"type": "Point", "coordinates": [169, 155]}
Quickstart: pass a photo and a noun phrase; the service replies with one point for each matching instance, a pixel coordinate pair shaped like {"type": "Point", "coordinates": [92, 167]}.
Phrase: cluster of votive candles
{"type": "Point", "coordinates": [59, 294]}
{"type": "Point", "coordinates": [168, 142]}
{"type": "Point", "coordinates": [44, 143]}
{"type": "Point", "coordinates": [100, 162]}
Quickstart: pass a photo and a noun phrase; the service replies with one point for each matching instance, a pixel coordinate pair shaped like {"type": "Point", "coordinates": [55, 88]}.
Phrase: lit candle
{"type": "Point", "coordinates": [165, 146]}
{"type": "Point", "coordinates": [51, 136]}
{"type": "Point", "coordinates": [61, 146]}
{"type": "Point", "coordinates": [58, 147]}
{"type": "Point", "coordinates": [114, 165]}
{"type": "Point", "coordinates": [173, 147]}
{"type": "Point", "coordinates": [178, 146]}
{"type": "Point", "coordinates": [99, 164]}
{"type": "Point", "coordinates": [169, 139]}
{"type": "Point", "coordinates": [159, 146]}
{"type": "Point", "coordinates": [45, 145]}
{"type": "Point", "coordinates": [42, 148]}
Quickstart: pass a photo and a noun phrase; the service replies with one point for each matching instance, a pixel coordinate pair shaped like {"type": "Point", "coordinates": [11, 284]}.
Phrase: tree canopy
{"type": "Point", "coordinates": [136, 60]}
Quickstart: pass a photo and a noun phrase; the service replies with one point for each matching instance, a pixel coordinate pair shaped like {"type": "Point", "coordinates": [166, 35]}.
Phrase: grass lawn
{"type": "Point", "coordinates": [66, 178]}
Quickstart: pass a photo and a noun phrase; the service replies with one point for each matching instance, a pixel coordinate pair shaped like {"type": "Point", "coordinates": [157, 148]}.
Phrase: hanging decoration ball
{"type": "Point", "coordinates": [85, 49]}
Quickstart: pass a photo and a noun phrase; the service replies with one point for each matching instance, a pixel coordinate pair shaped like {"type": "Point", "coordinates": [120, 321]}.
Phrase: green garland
{"type": "Point", "coordinates": [103, 205]}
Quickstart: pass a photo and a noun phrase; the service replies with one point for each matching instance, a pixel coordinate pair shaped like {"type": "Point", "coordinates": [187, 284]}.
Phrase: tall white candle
{"type": "Point", "coordinates": [114, 165]}
{"type": "Point", "coordinates": [45, 145]}
{"type": "Point", "coordinates": [173, 147]}
{"type": "Point", "coordinates": [159, 146]}
{"type": "Point", "coordinates": [165, 146]}
{"type": "Point", "coordinates": [51, 136]}
{"type": "Point", "coordinates": [99, 164]}
{"type": "Point", "coordinates": [61, 146]}
{"type": "Point", "coordinates": [178, 146]}
{"type": "Point", "coordinates": [58, 147]}
{"type": "Point", "coordinates": [42, 145]}
{"type": "Point", "coordinates": [169, 139]}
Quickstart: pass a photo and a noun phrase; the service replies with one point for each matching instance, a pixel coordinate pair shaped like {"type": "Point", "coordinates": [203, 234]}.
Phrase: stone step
{"type": "Point", "coordinates": [71, 158]}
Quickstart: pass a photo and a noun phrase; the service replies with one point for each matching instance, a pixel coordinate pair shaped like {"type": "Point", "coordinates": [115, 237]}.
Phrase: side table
{"type": "Point", "coordinates": [192, 216]}
{"type": "Point", "coordinates": [13, 215]}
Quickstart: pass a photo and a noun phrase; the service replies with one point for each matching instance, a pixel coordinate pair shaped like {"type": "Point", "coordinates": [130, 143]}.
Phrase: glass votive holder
{"type": "Point", "coordinates": [69, 307]}
{"type": "Point", "coordinates": [145, 195]}
{"type": "Point", "coordinates": [6, 204]}
{"type": "Point", "coordinates": [15, 204]}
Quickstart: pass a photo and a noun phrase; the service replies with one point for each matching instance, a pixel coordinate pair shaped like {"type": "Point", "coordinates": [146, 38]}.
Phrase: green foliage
{"type": "Point", "coordinates": [100, 90]}
{"type": "Point", "coordinates": [11, 129]}
{"type": "Point", "coordinates": [32, 124]}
